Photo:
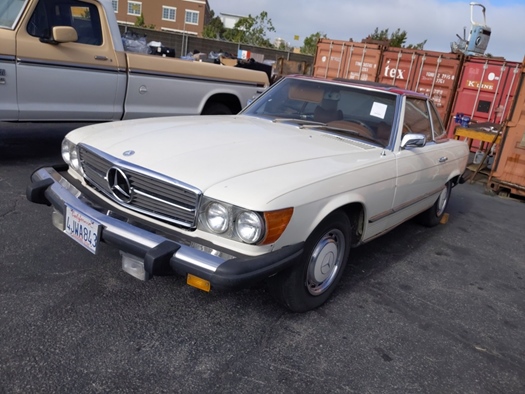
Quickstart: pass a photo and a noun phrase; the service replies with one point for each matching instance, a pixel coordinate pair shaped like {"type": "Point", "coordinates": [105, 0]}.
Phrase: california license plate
{"type": "Point", "coordinates": [82, 229]}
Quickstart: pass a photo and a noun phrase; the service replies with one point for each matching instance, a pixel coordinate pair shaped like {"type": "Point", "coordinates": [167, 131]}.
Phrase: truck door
{"type": "Point", "coordinates": [8, 104]}
{"type": "Point", "coordinates": [68, 81]}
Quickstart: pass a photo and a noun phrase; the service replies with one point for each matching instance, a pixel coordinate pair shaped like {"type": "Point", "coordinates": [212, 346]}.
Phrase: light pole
{"type": "Point", "coordinates": [183, 36]}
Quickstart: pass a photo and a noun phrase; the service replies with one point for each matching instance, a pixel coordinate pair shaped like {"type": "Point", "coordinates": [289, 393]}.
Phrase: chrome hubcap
{"type": "Point", "coordinates": [325, 262]}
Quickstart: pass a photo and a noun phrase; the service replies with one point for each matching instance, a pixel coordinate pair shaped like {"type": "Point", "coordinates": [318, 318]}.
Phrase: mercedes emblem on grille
{"type": "Point", "coordinates": [119, 185]}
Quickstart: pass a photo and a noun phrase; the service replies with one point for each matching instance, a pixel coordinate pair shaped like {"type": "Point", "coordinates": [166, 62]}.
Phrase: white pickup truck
{"type": "Point", "coordinates": [64, 60]}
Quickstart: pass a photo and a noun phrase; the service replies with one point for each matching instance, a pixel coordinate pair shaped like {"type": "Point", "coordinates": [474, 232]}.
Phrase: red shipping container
{"type": "Point", "coordinates": [485, 91]}
{"type": "Point", "coordinates": [347, 59]}
{"type": "Point", "coordinates": [432, 73]}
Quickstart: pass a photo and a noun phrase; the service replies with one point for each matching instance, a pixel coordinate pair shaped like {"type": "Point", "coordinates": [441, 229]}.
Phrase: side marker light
{"type": "Point", "coordinates": [199, 283]}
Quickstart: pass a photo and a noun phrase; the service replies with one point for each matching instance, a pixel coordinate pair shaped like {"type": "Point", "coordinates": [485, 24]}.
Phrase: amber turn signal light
{"type": "Point", "coordinates": [276, 222]}
{"type": "Point", "coordinates": [199, 283]}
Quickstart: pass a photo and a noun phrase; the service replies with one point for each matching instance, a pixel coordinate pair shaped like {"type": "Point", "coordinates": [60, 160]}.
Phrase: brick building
{"type": "Point", "coordinates": [181, 16]}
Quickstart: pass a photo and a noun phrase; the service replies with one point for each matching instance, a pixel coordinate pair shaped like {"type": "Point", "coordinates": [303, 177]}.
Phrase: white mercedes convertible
{"type": "Point", "coordinates": [279, 193]}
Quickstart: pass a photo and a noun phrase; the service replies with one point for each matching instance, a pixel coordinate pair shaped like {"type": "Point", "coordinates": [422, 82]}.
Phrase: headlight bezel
{"type": "Point", "coordinates": [267, 226]}
{"type": "Point", "coordinates": [233, 214]}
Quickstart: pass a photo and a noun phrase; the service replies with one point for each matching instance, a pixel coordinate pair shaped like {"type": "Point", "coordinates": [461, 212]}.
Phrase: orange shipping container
{"type": "Point", "coordinates": [347, 59]}
{"type": "Point", "coordinates": [508, 175]}
{"type": "Point", "coordinates": [485, 90]}
{"type": "Point", "coordinates": [432, 73]}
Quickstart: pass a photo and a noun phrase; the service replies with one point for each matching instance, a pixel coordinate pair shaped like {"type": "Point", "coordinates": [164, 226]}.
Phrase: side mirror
{"type": "Point", "coordinates": [413, 140]}
{"type": "Point", "coordinates": [61, 34]}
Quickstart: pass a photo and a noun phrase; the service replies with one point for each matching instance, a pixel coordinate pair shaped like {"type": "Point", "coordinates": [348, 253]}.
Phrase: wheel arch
{"type": "Point", "coordinates": [354, 210]}
{"type": "Point", "coordinates": [356, 213]}
{"type": "Point", "coordinates": [455, 179]}
{"type": "Point", "coordinates": [228, 99]}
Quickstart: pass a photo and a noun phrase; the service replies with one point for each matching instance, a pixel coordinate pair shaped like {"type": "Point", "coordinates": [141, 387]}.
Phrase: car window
{"type": "Point", "coordinates": [417, 118]}
{"type": "Point", "coordinates": [439, 130]}
{"type": "Point", "coordinates": [341, 106]}
{"type": "Point", "coordinates": [83, 17]}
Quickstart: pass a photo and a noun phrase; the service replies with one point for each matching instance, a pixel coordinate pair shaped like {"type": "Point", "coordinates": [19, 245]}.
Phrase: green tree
{"type": "Point", "coordinates": [140, 22]}
{"type": "Point", "coordinates": [215, 28]}
{"type": "Point", "coordinates": [252, 30]}
{"type": "Point", "coordinates": [310, 43]}
{"type": "Point", "coordinates": [397, 38]}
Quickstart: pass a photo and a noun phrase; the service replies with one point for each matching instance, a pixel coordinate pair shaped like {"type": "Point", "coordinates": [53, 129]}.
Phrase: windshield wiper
{"type": "Point", "coordinates": [302, 122]}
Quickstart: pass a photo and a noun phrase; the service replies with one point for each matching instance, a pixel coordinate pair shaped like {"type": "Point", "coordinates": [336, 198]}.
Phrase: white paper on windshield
{"type": "Point", "coordinates": [378, 110]}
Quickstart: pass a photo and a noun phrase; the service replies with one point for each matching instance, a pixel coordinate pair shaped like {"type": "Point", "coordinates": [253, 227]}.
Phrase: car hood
{"type": "Point", "coordinates": [236, 152]}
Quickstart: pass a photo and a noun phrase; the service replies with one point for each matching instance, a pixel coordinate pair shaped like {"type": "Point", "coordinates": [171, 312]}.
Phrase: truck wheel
{"type": "Point", "coordinates": [308, 284]}
{"type": "Point", "coordinates": [432, 216]}
{"type": "Point", "coordinates": [216, 109]}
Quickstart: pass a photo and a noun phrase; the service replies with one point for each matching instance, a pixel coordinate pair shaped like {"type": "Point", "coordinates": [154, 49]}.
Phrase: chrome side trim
{"type": "Point", "coordinates": [403, 206]}
{"type": "Point", "coordinates": [69, 65]}
{"type": "Point", "coordinates": [7, 58]}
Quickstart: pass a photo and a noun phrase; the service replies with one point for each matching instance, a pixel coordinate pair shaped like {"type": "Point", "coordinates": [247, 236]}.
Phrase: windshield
{"type": "Point", "coordinates": [334, 107]}
{"type": "Point", "coordinates": [10, 11]}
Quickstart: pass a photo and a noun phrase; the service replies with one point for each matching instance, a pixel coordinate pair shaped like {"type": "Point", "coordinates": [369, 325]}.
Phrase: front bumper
{"type": "Point", "coordinates": [158, 253]}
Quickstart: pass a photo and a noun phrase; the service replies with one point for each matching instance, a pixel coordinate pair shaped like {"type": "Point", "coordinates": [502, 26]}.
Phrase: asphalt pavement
{"type": "Point", "coordinates": [419, 310]}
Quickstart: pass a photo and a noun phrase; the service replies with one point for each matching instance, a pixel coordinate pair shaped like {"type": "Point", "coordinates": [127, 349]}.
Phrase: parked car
{"type": "Point", "coordinates": [279, 193]}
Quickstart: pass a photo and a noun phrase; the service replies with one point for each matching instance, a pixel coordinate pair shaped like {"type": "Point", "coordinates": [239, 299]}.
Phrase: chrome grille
{"type": "Point", "coordinates": [153, 194]}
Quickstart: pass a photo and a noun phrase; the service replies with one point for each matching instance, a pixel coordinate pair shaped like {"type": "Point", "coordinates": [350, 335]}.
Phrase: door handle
{"type": "Point", "coordinates": [443, 159]}
{"type": "Point", "coordinates": [103, 58]}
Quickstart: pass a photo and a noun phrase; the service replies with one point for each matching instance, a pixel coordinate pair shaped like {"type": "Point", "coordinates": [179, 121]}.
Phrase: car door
{"type": "Point", "coordinates": [421, 171]}
{"type": "Point", "coordinates": [71, 80]}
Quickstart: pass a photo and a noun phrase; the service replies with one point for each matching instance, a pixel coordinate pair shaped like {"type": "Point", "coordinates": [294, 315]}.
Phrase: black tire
{"type": "Point", "coordinates": [216, 109]}
{"type": "Point", "coordinates": [310, 282]}
{"type": "Point", "coordinates": [432, 216]}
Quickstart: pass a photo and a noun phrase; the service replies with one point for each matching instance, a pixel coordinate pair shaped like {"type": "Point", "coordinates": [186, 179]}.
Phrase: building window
{"type": "Point", "coordinates": [134, 8]}
{"type": "Point", "coordinates": [192, 17]}
{"type": "Point", "coordinates": [168, 13]}
{"type": "Point", "coordinates": [114, 3]}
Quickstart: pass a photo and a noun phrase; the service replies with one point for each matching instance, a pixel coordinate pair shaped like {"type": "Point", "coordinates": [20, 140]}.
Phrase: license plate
{"type": "Point", "coordinates": [82, 229]}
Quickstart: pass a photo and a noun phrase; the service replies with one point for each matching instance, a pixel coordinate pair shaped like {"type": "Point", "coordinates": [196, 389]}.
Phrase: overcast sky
{"type": "Point", "coordinates": [437, 21]}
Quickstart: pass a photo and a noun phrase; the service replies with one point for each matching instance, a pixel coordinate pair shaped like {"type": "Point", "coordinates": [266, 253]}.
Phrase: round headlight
{"type": "Point", "coordinates": [75, 161]}
{"type": "Point", "coordinates": [66, 151]}
{"type": "Point", "coordinates": [217, 217]}
{"type": "Point", "coordinates": [249, 227]}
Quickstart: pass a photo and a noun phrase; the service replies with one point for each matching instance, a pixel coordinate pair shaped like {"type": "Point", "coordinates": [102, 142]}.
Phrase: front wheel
{"type": "Point", "coordinates": [432, 216]}
{"type": "Point", "coordinates": [308, 284]}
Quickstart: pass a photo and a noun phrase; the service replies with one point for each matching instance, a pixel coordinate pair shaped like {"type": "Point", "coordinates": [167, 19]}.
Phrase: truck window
{"type": "Point", "coordinates": [83, 17]}
{"type": "Point", "coordinates": [10, 11]}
